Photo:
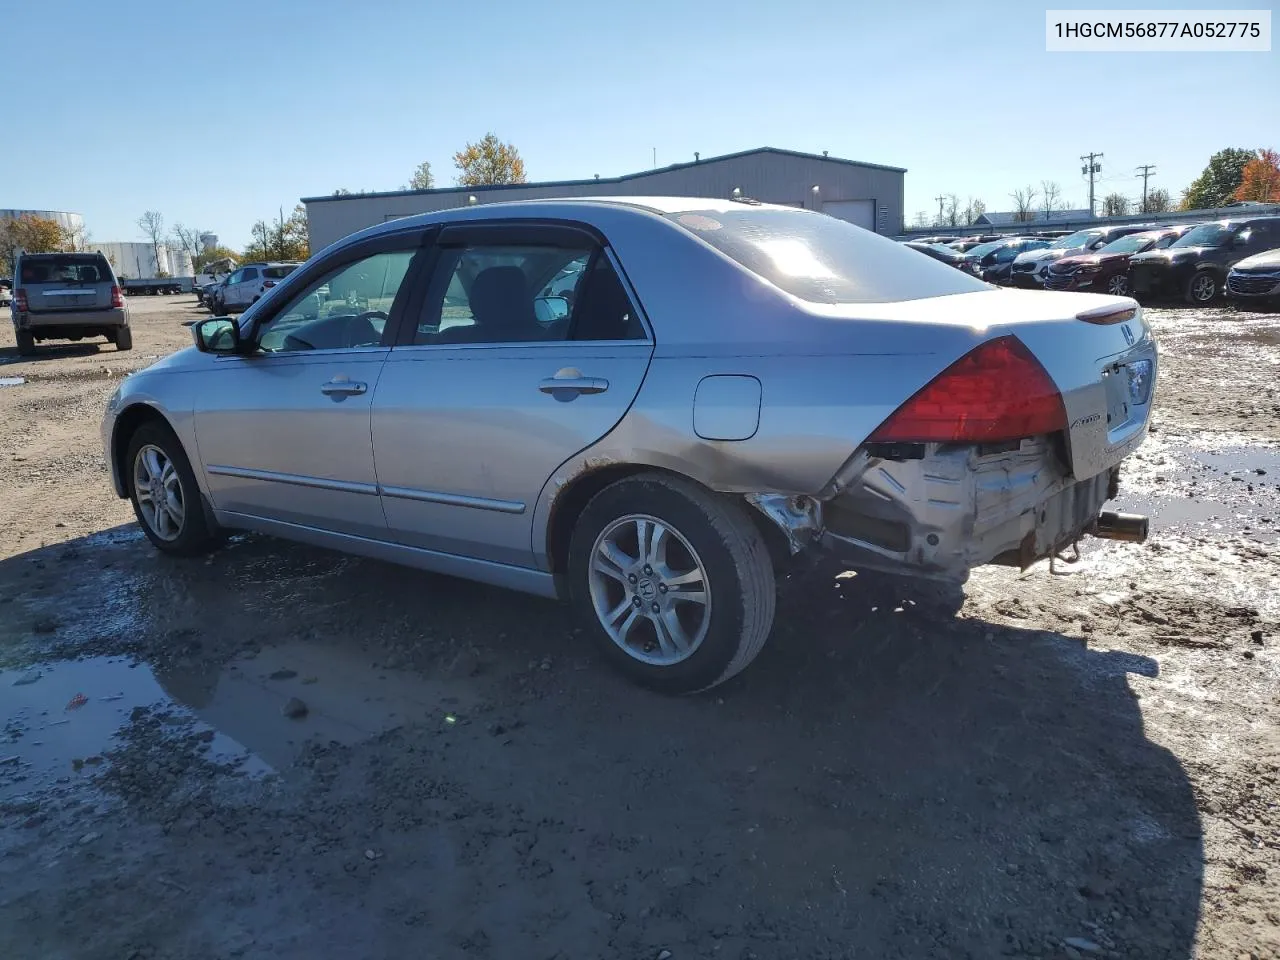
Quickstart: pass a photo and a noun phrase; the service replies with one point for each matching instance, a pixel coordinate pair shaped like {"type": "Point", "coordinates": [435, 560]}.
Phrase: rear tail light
{"type": "Point", "coordinates": [996, 392]}
{"type": "Point", "coordinates": [117, 298]}
{"type": "Point", "coordinates": [1104, 316]}
{"type": "Point", "coordinates": [20, 300]}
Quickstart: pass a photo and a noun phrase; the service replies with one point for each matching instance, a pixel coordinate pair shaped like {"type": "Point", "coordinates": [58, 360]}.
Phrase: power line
{"type": "Point", "coordinates": [1146, 170]}
{"type": "Point", "coordinates": [1091, 167]}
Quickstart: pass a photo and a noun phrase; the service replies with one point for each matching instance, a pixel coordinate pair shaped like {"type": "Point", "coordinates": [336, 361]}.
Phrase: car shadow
{"type": "Point", "coordinates": [890, 778]}
{"type": "Point", "coordinates": [58, 351]}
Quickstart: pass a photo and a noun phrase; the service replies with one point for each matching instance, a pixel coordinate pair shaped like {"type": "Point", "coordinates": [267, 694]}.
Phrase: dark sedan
{"type": "Point", "coordinates": [952, 258]}
{"type": "Point", "coordinates": [1195, 267]}
{"type": "Point", "coordinates": [992, 261]}
{"type": "Point", "coordinates": [1107, 271]}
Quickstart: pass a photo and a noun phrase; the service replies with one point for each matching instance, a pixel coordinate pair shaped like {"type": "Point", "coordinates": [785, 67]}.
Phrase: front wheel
{"type": "Point", "coordinates": [165, 496]}
{"type": "Point", "coordinates": [1118, 285]}
{"type": "Point", "coordinates": [673, 582]}
{"type": "Point", "coordinates": [1202, 288]}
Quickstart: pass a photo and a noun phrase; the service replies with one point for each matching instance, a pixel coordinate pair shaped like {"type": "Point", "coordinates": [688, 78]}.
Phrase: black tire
{"type": "Point", "coordinates": [26, 342]}
{"type": "Point", "coordinates": [195, 535]}
{"type": "Point", "coordinates": [123, 338]}
{"type": "Point", "coordinates": [1201, 281]}
{"type": "Point", "coordinates": [739, 578]}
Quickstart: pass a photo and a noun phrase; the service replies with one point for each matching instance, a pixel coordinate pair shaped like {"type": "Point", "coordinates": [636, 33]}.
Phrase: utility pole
{"type": "Point", "coordinates": [1146, 170]}
{"type": "Point", "coordinates": [941, 201]}
{"type": "Point", "coordinates": [1091, 167]}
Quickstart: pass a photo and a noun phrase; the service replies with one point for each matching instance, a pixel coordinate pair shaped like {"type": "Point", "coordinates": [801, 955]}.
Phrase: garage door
{"type": "Point", "coordinates": [860, 212]}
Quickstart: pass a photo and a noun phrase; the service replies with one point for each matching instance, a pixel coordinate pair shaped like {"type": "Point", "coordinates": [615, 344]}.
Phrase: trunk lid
{"type": "Point", "coordinates": [1105, 371]}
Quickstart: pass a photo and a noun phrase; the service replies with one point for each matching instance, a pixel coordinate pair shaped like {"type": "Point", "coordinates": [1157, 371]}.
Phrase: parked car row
{"type": "Point", "coordinates": [245, 285]}
{"type": "Point", "coordinates": [1197, 263]}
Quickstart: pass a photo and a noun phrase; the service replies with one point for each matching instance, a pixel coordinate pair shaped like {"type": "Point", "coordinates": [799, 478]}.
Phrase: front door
{"type": "Point", "coordinates": [526, 350]}
{"type": "Point", "coordinates": [283, 431]}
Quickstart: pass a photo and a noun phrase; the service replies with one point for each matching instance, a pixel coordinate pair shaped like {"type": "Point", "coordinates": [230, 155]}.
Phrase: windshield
{"type": "Point", "coordinates": [1133, 243]}
{"type": "Point", "coordinates": [1205, 235]}
{"type": "Point", "coordinates": [1078, 239]}
{"type": "Point", "coordinates": [982, 249]}
{"type": "Point", "coordinates": [822, 259]}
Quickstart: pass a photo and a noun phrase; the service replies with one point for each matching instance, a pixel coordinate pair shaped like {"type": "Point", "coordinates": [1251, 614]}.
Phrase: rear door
{"type": "Point", "coordinates": [240, 294]}
{"type": "Point", "coordinates": [66, 283]}
{"type": "Point", "coordinates": [526, 349]}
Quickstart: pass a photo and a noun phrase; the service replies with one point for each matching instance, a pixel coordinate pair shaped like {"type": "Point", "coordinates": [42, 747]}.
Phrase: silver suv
{"type": "Point", "coordinates": [67, 296]}
{"type": "Point", "coordinates": [247, 284]}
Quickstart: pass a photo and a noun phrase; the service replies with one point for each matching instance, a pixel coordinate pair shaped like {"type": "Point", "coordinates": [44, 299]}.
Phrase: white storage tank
{"type": "Point", "coordinates": [134, 260]}
{"type": "Point", "coordinates": [180, 263]}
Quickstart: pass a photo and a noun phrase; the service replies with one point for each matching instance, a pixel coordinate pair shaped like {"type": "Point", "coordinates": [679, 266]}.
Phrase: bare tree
{"type": "Point", "coordinates": [973, 209]}
{"type": "Point", "coordinates": [1024, 204]}
{"type": "Point", "coordinates": [151, 224]}
{"type": "Point", "coordinates": [951, 212]}
{"type": "Point", "coordinates": [1159, 201]}
{"type": "Point", "coordinates": [187, 239]}
{"type": "Point", "coordinates": [1115, 205]}
{"type": "Point", "coordinates": [1051, 196]}
{"type": "Point", "coordinates": [922, 219]}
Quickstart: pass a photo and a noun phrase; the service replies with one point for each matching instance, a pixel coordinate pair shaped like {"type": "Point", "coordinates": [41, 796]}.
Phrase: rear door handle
{"type": "Point", "coordinates": [566, 385]}
{"type": "Point", "coordinates": [342, 387]}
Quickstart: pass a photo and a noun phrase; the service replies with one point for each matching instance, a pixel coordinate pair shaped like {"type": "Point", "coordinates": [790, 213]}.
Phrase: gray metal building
{"type": "Point", "coordinates": [868, 194]}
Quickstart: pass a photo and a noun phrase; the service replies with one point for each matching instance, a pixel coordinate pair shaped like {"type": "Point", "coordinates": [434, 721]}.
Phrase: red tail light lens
{"type": "Point", "coordinates": [117, 298]}
{"type": "Point", "coordinates": [20, 300]}
{"type": "Point", "coordinates": [996, 392]}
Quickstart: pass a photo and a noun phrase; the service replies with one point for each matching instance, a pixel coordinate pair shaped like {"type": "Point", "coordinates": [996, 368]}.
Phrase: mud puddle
{"type": "Point", "coordinates": [62, 719]}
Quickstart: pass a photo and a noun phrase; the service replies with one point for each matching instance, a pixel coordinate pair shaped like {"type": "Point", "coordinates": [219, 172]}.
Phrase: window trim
{"type": "Point", "coordinates": [417, 240]}
{"type": "Point", "coordinates": [567, 233]}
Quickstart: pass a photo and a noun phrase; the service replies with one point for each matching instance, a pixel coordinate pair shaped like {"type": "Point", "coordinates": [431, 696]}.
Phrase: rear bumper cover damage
{"type": "Point", "coordinates": [938, 511]}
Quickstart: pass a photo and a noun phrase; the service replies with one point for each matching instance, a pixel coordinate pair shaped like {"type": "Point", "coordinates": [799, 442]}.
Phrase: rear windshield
{"type": "Point", "coordinates": [277, 273]}
{"type": "Point", "coordinates": [67, 268]}
{"type": "Point", "coordinates": [824, 260]}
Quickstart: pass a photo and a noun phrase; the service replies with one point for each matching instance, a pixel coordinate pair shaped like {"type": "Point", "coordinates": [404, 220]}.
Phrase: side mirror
{"type": "Point", "coordinates": [550, 309]}
{"type": "Point", "coordinates": [1240, 239]}
{"type": "Point", "coordinates": [217, 335]}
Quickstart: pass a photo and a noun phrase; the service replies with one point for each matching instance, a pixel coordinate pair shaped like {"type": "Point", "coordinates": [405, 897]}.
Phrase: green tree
{"type": "Point", "coordinates": [1115, 205]}
{"type": "Point", "coordinates": [422, 178]}
{"type": "Point", "coordinates": [34, 235]}
{"type": "Point", "coordinates": [489, 161]}
{"type": "Point", "coordinates": [280, 239]}
{"type": "Point", "coordinates": [1220, 179]}
{"type": "Point", "coordinates": [1159, 201]}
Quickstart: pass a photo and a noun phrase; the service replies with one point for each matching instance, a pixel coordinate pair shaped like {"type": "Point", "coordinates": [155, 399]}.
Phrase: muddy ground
{"type": "Point", "coordinates": [1077, 764]}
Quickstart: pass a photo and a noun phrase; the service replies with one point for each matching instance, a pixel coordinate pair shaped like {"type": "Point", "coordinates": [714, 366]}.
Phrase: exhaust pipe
{"type": "Point", "coordinates": [1129, 527]}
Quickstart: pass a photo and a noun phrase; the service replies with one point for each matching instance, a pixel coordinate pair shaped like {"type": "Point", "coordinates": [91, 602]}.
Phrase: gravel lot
{"type": "Point", "coordinates": [1077, 764]}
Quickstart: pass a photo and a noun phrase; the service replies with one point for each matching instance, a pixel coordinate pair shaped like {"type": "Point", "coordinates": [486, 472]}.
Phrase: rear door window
{"type": "Point", "coordinates": [278, 273]}
{"type": "Point", "coordinates": [68, 269]}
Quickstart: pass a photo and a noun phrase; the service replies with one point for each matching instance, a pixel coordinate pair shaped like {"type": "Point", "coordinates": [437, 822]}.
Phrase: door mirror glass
{"type": "Point", "coordinates": [217, 335]}
{"type": "Point", "coordinates": [550, 309]}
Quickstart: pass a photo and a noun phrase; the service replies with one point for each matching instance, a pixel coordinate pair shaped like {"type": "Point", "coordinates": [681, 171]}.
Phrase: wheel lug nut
{"type": "Point", "coordinates": [647, 570]}
{"type": "Point", "coordinates": [631, 578]}
{"type": "Point", "coordinates": [636, 601]}
{"type": "Point", "coordinates": [655, 608]}
{"type": "Point", "coordinates": [662, 588]}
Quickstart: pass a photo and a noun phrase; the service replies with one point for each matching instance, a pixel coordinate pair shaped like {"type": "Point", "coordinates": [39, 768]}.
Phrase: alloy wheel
{"type": "Point", "coordinates": [650, 590]}
{"type": "Point", "coordinates": [1203, 288]}
{"type": "Point", "coordinates": [1118, 285]}
{"type": "Point", "coordinates": [158, 489]}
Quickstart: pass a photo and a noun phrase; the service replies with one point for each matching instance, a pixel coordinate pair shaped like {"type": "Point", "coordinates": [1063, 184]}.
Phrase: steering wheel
{"type": "Point", "coordinates": [368, 315]}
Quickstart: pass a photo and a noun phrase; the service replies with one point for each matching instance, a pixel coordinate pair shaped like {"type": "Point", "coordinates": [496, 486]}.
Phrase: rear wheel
{"type": "Point", "coordinates": [26, 342]}
{"type": "Point", "coordinates": [165, 496]}
{"type": "Point", "coordinates": [1202, 288]}
{"type": "Point", "coordinates": [673, 582]}
{"type": "Point", "coordinates": [123, 338]}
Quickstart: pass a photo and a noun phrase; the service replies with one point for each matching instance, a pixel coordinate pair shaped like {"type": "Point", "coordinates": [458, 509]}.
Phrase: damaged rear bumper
{"type": "Point", "coordinates": [939, 511]}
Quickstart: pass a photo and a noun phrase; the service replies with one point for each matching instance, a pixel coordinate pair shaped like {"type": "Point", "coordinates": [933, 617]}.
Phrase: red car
{"type": "Point", "coordinates": [1107, 271]}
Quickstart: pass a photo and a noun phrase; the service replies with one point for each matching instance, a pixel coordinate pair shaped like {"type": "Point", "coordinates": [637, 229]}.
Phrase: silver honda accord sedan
{"type": "Point", "coordinates": [647, 406]}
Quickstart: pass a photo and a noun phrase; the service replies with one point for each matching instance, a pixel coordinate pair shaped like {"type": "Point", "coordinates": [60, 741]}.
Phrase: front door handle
{"type": "Point", "coordinates": [340, 387]}
{"type": "Point", "coordinates": [570, 382]}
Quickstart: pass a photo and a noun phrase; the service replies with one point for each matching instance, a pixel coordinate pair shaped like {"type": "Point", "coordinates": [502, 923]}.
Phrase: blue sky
{"type": "Point", "coordinates": [218, 118]}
